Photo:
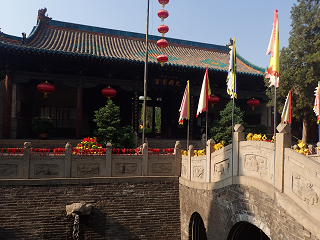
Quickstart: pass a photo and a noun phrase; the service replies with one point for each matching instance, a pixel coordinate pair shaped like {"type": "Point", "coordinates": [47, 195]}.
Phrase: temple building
{"type": "Point", "coordinates": [80, 61]}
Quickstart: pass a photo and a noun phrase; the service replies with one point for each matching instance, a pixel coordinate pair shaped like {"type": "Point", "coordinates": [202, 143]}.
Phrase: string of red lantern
{"type": "Point", "coordinates": [162, 43]}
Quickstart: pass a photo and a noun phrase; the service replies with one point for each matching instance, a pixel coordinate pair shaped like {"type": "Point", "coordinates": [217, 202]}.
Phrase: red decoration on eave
{"type": "Point", "coordinates": [163, 14]}
{"type": "Point", "coordinates": [163, 29]}
{"type": "Point", "coordinates": [253, 103]}
{"type": "Point", "coordinates": [213, 99]}
{"type": "Point", "coordinates": [163, 2]}
{"type": "Point", "coordinates": [46, 88]}
{"type": "Point", "coordinates": [162, 59]}
{"type": "Point", "coordinates": [162, 43]}
{"type": "Point", "coordinates": [108, 92]}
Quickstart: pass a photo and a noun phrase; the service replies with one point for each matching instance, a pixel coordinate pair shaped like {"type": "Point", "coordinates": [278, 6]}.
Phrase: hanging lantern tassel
{"type": "Point", "coordinates": [163, 2]}
{"type": "Point", "coordinates": [213, 99]}
{"type": "Point", "coordinates": [45, 88]}
{"type": "Point", "coordinates": [108, 92]}
{"type": "Point", "coordinates": [163, 14]}
{"type": "Point", "coordinates": [163, 29]}
{"type": "Point", "coordinates": [162, 43]}
{"type": "Point", "coordinates": [162, 59]}
{"type": "Point", "coordinates": [253, 103]}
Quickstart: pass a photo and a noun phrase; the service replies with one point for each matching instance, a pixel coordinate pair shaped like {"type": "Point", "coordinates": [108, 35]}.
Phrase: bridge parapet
{"type": "Point", "coordinates": [67, 165]}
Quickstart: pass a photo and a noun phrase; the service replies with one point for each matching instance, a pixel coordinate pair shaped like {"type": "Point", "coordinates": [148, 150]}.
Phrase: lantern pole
{"type": "Point", "coordinates": [145, 78]}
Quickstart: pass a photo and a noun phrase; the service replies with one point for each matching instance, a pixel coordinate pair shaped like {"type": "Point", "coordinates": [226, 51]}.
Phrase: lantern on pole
{"type": "Point", "coordinates": [163, 29]}
{"type": "Point", "coordinates": [45, 88]}
{"type": "Point", "coordinates": [213, 99]}
{"type": "Point", "coordinates": [108, 92]}
{"type": "Point", "coordinates": [163, 14]}
{"type": "Point", "coordinates": [163, 2]}
{"type": "Point", "coordinates": [253, 103]}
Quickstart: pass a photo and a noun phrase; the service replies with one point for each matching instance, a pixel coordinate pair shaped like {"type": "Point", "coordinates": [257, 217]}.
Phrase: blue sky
{"type": "Point", "coordinates": [207, 21]}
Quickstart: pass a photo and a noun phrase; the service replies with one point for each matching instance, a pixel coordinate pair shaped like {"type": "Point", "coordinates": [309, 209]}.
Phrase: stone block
{"type": "Point", "coordinates": [283, 128]}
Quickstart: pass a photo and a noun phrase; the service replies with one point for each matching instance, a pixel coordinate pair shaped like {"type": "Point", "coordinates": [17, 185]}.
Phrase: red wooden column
{"type": "Point", "coordinates": [7, 107]}
{"type": "Point", "coordinates": [79, 110]}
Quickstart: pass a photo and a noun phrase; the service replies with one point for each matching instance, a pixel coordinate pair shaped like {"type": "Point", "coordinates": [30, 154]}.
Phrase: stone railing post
{"type": "Point", "coordinates": [26, 160]}
{"type": "Point", "coordinates": [283, 140]}
{"type": "Point", "coordinates": [209, 150]}
{"type": "Point", "coordinates": [178, 158]}
{"type": "Point", "coordinates": [67, 160]}
{"type": "Point", "coordinates": [145, 159]}
{"type": "Point", "coordinates": [108, 159]}
{"type": "Point", "coordinates": [190, 154]}
{"type": "Point", "coordinates": [238, 136]}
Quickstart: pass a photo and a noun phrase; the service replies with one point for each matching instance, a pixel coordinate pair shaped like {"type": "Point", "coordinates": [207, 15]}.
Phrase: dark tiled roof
{"type": "Point", "coordinates": [86, 41]}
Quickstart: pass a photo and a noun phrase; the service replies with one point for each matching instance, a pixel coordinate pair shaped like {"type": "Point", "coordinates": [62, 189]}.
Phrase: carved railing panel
{"type": "Point", "coordinates": [256, 159]}
{"type": "Point", "coordinates": [47, 167]}
{"type": "Point", "coordinates": [198, 168]}
{"type": "Point", "coordinates": [160, 166]}
{"type": "Point", "coordinates": [11, 167]}
{"type": "Point", "coordinates": [302, 181]}
{"type": "Point", "coordinates": [126, 165]}
{"type": "Point", "coordinates": [221, 164]}
{"type": "Point", "coordinates": [88, 166]}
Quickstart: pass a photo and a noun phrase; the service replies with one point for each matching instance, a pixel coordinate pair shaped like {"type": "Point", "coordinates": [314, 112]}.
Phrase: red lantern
{"type": "Point", "coordinates": [163, 14]}
{"type": "Point", "coordinates": [163, 2]}
{"type": "Point", "coordinates": [162, 59]}
{"type": "Point", "coordinates": [253, 103]}
{"type": "Point", "coordinates": [213, 99]}
{"type": "Point", "coordinates": [162, 43]}
{"type": "Point", "coordinates": [45, 88]}
{"type": "Point", "coordinates": [163, 29]}
{"type": "Point", "coordinates": [109, 92]}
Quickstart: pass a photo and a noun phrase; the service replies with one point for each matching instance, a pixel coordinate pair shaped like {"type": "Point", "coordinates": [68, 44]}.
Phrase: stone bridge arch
{"type": "Point", "coordinates": [197, 230]}
{"type": "Point", "coordinates": [247, 231]}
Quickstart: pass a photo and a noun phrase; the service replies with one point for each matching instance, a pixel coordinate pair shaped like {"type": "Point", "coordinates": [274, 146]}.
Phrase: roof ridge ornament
{"type": "Point", "coordinates": [42, 16]}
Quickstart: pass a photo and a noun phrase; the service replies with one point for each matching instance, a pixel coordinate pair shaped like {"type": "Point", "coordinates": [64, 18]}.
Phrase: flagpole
{"type": "Point", "coordinates": [188, 134]}
{"type": "Point", "coordinates": [275, 112]}
{"type": "Point", "coordinates": [274, 133]}
{"type": "Point", "coordinates": [145, 79]}
{"type": "Point", "coordinates": [207, 124]}
{"type": "Point", "coordinates": [232, 137]}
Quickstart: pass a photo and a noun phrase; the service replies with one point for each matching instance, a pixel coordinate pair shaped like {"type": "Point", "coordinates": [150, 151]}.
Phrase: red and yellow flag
{"type": "Point", "coordinates": [286, 112]}
{"type": "Point", "coordinates": [273, 51]}
{"type": "Point", "coordinates": [204, 94]}
{"type": "Point", "coordinates": [316, 106]}
{"type": "Point", "coordinates": [185, 105]}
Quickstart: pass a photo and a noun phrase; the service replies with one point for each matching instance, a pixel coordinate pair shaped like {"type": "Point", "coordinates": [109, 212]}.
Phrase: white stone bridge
{"type": "Point", "coordinates": [257, 190]}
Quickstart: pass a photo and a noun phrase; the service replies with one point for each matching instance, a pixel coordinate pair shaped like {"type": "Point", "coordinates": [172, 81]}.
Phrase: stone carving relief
{"type": "Point", "coordinates": [161, 167]}
{"type": "Point", "coordinates": [126, 168]}
{"type": "Point", "coordinates": [304, 189]}
{"type": "Point", "coordinates": [255, 163]}
{"type": "Point", "coordinates": [198, 172]}
{"type": "Point", "coordinates": [222, 168]}
{"type": "Point", "coordinates": [8, 169]}
{"type": "Point", "coordinates": [89, 168]}
{"type": "Point", "coordinates": [46, 169]}
{"type": "Point", "coordinates": [183, 170]}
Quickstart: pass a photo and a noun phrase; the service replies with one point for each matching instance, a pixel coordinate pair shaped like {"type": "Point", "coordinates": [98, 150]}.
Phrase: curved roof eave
{"type": "Point", "coordinates": [51, 52]}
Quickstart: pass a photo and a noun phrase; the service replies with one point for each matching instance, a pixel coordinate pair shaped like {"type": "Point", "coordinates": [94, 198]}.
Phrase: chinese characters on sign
{"type": "Point", "coordinates": [167, 81]}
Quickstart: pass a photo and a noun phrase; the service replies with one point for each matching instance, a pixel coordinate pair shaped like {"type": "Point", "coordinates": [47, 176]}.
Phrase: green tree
{"type": "Point", "coordinates": [299, 63]}
{"type": "Point", "coordinates": [108, 129]}
{"type": "Point", "coordinates": [222, 128]}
